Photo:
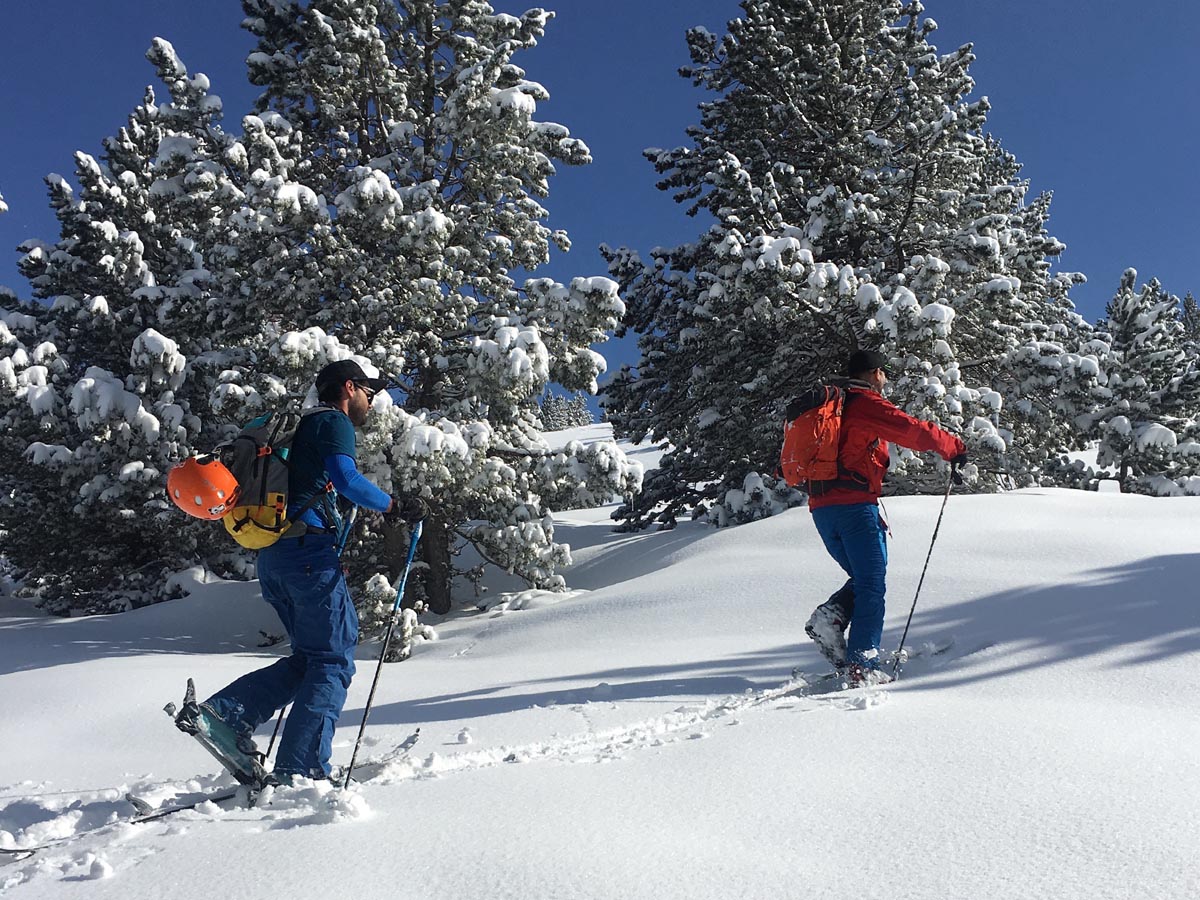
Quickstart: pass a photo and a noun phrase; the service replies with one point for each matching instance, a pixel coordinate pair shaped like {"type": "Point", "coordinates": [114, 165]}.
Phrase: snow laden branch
{"type": "Point", "coordinates": [505, 495]}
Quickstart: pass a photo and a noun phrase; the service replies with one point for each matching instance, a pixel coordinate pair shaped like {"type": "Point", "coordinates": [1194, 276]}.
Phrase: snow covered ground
{"type": "Point", "coordinates": [621, 741]}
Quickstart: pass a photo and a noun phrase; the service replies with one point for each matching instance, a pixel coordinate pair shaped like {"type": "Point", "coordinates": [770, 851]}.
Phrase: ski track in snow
{"type": "Point", "coordinates": [32, 820]}
{"type": "Point", "coordinates": [70, 834]}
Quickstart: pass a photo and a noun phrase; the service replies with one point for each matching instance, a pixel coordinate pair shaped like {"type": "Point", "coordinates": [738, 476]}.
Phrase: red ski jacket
{"type": "Point", "coordinates": [868, 423]}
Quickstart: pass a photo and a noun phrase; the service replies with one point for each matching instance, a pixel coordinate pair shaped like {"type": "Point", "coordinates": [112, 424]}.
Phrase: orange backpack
{"type": "Point", "coordinates": [811, 436]}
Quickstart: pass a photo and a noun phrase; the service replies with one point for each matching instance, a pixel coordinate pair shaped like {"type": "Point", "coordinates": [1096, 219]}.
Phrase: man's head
{"type": "Point", "coordinates": [869, 366]}
{"type": "Point", "coordinates": [345, 385]}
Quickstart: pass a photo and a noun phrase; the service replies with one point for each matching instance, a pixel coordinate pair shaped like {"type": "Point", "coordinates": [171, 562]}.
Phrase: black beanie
{"type": "Point", "coordinates": [865, 361]}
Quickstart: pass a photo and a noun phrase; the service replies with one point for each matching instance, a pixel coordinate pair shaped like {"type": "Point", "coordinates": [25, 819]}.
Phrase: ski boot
{"type": "Point", "coordinates": [827, 629]}
{"type": "Point", "coordinates": [235, 752]}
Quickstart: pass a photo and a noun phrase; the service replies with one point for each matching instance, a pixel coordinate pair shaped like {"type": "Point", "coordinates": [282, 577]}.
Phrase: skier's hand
{"type": "Point", "coordinates": [960, 460]}
{"type": "Point", "coordinates": [407, 509]}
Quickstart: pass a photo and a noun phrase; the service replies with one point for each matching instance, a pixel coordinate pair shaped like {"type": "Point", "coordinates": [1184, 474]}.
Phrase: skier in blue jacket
{"type": "Point", "coordinates": [301, 577]}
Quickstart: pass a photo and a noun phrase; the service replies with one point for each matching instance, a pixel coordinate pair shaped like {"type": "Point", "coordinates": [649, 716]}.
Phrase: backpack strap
{"type": "Point", "coordinates": [851, 481]}
{"type": "Point", "coordinates": [297, 527]}
{"type": "Point", "coordinates": [327, 497]}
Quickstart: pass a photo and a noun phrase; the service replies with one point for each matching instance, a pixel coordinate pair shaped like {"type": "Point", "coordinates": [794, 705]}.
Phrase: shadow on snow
{"type": "Point", "coordinates": [1149, 609]}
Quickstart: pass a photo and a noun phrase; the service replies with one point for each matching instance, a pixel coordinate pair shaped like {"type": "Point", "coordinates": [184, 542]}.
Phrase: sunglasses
{"type": "Point", "coordinates": [366, 390]}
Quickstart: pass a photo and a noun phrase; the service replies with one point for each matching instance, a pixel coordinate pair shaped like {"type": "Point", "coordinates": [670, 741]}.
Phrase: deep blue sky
{"type": "Point", "coordinates": [1098, 100]}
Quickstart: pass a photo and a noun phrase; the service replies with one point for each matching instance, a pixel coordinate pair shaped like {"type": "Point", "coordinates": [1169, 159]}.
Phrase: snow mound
{"type": "Point", "coordinates": [309, 802]}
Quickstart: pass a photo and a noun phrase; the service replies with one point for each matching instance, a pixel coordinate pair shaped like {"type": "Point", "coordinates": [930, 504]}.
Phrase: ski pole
{"type": "Point", "coordinates": [949, 481]}
{"type": "Point", "coordinates": [343, 536]}
{"type": "Point", "coordinates": [387, 640]}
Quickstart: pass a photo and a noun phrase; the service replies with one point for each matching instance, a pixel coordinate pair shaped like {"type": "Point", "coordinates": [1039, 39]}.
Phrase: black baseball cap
{"type": "Point", "coordinates": [347, 369]}
{"type": "Point", "coordinates": [865, 361]}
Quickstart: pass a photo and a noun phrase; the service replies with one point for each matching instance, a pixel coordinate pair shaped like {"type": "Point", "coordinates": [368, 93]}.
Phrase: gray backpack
{"type": "Point", "coordinates": [258, 459]}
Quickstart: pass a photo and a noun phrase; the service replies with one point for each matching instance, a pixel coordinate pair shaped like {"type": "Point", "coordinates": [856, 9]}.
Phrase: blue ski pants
{"type": "Point", "coordinates": [856, 537]}
{"type": "Point", "coordinates": [302, 580]}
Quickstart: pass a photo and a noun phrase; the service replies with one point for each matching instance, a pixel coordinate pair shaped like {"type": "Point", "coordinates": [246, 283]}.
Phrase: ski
{"type": "Point", "coordinates": [148, 812]}
{"type": "Point", "coordinates": [372, 767]}
{"type": "Point", "coordinates": [804, 684]}
{"type": "Point", "coordinates": [145, 812]}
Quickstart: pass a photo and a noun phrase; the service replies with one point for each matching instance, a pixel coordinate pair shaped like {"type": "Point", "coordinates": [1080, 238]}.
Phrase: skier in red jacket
{"type": "Point", "coordinates": [846, 514]}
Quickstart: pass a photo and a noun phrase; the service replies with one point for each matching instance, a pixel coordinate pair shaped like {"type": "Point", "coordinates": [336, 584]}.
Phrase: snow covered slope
{"type": "Point", "coordinates": [621, 740]}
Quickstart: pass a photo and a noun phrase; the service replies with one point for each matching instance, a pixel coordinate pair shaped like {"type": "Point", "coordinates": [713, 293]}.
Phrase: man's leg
{"type": "Point", "coordinates": [841, 602]}
{"type": "Point", "coordinates": [325, 634]}
{"type": "Point", "coordinates": [864, 539]}
{"type": "Point", "coordinates": [255, 697]}
{"type": "Point", "coordinates": [828, 623]}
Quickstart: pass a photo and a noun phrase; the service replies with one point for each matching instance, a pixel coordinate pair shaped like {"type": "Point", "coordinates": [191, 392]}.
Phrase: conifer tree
{"type": "Point", "coordinates": [553, 413]}
{"type": "Point", "coordinates": [98, 403]}
{"type": "Point", "coordinates": [1146, 419]}
{"type": "Point", "coordinates": [578, 413]}
{"type": "Point", "coordinates": [373, 207]}
{"type": "Point", "coordinates": [855, 201]}
{"type": "Point", "coordinates": [1189, 315]}
{"type": "Point", "coordinates": [558, 412]}
{"type": "Point", "coordinates": [416, 124]}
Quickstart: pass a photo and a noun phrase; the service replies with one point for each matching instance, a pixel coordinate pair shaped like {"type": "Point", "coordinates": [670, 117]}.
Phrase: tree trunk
{"type": "Point", "coordinates": [395, 550]}
{"type": "Point", "coordinates": [435, 551]}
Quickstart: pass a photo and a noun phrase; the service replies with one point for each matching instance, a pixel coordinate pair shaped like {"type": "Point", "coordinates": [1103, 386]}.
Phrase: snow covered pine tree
{"type": "Point", "coordinates": [1189, 315]}
{"type": "Point", "coordinates": [439, 164]}
{"type": "Point", "coordinates": [1149, 397]}
{"type": "Point", "coordinates": [373, 206]}
{"type": "Point", "coordinates": [98, 398]}
{"type": "Point", "coordinates": [578, 413]}
{"type": "Point", "coordinates": [553, 413]}
{"type": "Point", "coordinates": [558, 413]}
{"type": "Point", "coordinates": [856, 201]}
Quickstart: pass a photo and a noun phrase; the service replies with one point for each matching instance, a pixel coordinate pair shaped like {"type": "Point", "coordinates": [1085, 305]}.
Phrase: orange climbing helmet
{"type": "Point", "coordinates": [202, 487]}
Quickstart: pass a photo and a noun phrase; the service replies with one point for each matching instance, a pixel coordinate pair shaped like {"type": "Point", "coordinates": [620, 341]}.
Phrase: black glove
{"type": "Point", "coordinates": [407, 509]}
{"type": "Point", "coordinates": [960, 460]}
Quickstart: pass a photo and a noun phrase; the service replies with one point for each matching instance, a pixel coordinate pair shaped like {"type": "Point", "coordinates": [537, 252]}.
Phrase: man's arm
{"type": "Point", "coordinates": [353, 485]}
{"type": "Point", "coordinates": [893, 424]}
